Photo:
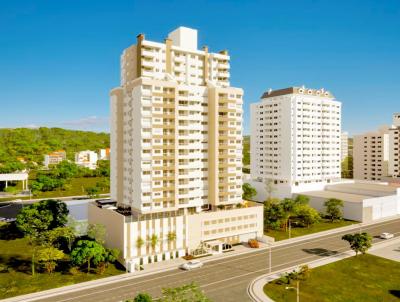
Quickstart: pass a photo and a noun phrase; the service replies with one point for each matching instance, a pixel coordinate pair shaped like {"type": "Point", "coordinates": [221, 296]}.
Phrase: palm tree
{"type": "Point", "coordinates": [153, 241]}
{"type": "Point", "coordinates": [171, 236]}
{"type": "Point", "coordinates": [139, 242]}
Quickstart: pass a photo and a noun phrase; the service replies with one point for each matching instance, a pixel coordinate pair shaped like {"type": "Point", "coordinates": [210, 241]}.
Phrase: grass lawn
{"type": "Point", "coordinates": [15, 269]}
{"type": "Point", "coordinates": [76, 187]}
{"type": "Point", "coordinates": [365, 278]}
{"type": "Point", "coordinates": [323, 225]}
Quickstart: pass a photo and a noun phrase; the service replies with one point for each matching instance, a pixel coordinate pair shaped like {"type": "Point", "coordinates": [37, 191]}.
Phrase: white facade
{"type": "Point", "coordinates": [295, 139]}
{"type": "Point", "coordinates": [87, 159]}
{"type": "Point", "coordinates": [365, 202]}
{"type": "Point", "coordinates": [54, 158]}
{"type": "Point", "coordinates": [104, 154]}
{"type": "Point", "coordinates": [176, 140]}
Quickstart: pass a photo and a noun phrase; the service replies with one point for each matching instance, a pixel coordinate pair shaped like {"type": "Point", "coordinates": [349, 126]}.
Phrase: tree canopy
{"type": "Point", "coordinates": [359, 242]}
{"type": "Point", "coordinates": [248, 191]}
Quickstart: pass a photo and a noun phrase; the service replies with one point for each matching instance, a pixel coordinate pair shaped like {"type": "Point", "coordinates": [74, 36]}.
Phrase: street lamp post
{"type": "Point", "coordinates": [297, 290]}
{"type": "Point", "coordinates": [270, 258]}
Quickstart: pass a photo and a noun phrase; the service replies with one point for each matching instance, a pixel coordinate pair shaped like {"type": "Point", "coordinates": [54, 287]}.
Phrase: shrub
{"type": "Point", "coordinates": [74, 271]}
{"type": "Point", "coordinates": [253, 243]}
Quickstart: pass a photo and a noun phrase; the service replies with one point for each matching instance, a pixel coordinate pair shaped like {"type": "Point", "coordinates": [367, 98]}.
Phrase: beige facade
{"type": "Point", "coordinates": [176, 136]}
{"type": "Point", "coordinates": [371, 155]}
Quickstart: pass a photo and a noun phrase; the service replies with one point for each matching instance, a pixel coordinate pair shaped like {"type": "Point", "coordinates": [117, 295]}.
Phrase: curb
{"type": "Point", "coordinates": [255, 288]}
{"type": "Point", "coordinates": [129, 276]}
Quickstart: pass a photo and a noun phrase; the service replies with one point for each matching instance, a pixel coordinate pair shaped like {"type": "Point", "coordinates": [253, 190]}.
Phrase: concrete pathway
{"type": "Point", "coordinates": [256, 287]}
{"type": "Point", "coordinates": [391, 252]}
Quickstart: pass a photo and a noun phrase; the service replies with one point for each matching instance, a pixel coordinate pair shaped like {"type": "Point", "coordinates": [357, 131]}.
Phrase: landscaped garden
{"type": "Point", "coordinates": [295, 231]}
{"type": "Point", "coordinates": [365, 278]}
{"type": "Point", "coordinates": [292, 217]}
{"type": "Point", "coordinates": [41, 251]}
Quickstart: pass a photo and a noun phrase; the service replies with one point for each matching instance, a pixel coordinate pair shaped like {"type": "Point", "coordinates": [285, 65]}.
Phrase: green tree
{"type": "Point", "coordinates": [274, 214]}
{"type": "Point", "coordinates": [143, 297]}
{"type": "Point", "coordinates": [184, 293]}
{"type": "Point", "coordinates": [359, 242]}
{"type": "Point", "coordinates": [97, 232]}
{"type": "Point", "coordinates": [34, 221]}
{"type": "Point", "coordinates": [50, 256]}
{"type": "Point", "coordinates": [248, 191]}
{"type": "Point", "coordinates": [93, 192]}
{"type": "Point", "coordinates": [334, 208]}
{"type": "Point", "coordinates": [103, 168]}
{"type": "Point", "coordinates": [58, 209]}
{"type": "Point", "coordinates": [55, 236]}
{"type": "Point", "coordinates": [307, 215]}
{"type": "Point", "coordinates": [87, 251]}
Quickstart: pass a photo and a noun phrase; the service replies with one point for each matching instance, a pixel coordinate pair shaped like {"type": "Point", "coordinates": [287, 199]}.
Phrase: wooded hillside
{"type": "Point", "coordinates": [32, 144]}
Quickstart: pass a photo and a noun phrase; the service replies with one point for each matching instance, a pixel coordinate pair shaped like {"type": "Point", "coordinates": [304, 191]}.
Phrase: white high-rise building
{"type": "Point", "coordinates": [176, 136]}
{"type": "Point", "coordinates": [295, 139]}
{"type": "Point", "coordinates": [394, 147]}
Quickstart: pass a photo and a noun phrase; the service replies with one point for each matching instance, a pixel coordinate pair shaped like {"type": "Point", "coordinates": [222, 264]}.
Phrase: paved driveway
{"type": "Point", "coordinates": [391, 251]}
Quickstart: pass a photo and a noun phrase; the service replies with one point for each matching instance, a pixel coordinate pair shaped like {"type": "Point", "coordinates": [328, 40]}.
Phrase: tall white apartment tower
{"type": "Point", "coordinates": [295, 139]}
{"type": "Point", "coordinates": [176, 136]}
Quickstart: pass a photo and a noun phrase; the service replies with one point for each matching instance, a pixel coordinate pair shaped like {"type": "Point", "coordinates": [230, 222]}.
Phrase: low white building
{"type": "Point", "coordinates": [363, 202]}
{"type": "Point", "coordinates": [104, 154]}
{"type": "Point", "coordinates": [87, 159]}
{"type": "Point", "coordinates": [144, 239]}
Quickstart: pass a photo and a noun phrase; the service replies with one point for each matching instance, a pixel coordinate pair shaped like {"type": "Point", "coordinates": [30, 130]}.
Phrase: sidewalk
{"type": "Point", "coordinates": [356, 226]}
{"type": "Point", "coordinates": [149, 269]}
{"type": "Point", "coordinates": [256, 288]}
{"type": "Point", "coordinates": [154, 268]}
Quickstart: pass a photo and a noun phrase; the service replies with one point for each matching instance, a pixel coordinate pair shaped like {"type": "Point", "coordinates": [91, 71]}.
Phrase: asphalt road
{"type": "Point", "coordinates": [226, 279]}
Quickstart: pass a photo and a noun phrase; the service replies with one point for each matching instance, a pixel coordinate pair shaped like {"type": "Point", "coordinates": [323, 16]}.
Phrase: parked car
{"type": "Point", "coordinates": [191, 265]}
{"type": "Point", "coordinates": [386, 235]}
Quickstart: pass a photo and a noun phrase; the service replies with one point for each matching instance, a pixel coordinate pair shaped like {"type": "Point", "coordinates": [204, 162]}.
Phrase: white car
{"type": "Point", "coordinates": [191, 265]}
{"type": "Point", "coordinates": [386, 235]}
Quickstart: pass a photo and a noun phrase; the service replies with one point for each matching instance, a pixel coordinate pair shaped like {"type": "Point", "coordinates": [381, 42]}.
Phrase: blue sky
{"type": "Point", "coordinates": [59, 59]}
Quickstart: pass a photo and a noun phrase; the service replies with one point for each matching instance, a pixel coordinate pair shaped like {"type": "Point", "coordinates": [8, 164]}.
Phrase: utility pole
{"type": "Point", "coordinates": [270, 258]}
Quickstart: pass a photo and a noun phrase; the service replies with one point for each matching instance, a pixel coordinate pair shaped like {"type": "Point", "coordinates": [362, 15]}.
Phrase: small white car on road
{"type": "Point", "coordinates": [191, 265]}
{"type": "Point", "coordinates": [386, 235]}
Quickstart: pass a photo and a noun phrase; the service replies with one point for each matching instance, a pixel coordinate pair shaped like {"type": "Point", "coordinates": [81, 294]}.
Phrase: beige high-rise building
{"type": "Point", "coordinates": [371, 155]}
{"type": "Point", "coordinates": [377, 154]}
{"type": "Point", "coordinates": [176, 136]}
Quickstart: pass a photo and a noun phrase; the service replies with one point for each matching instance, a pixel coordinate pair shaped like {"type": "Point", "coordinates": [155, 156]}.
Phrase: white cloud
{"type": "Point", "coordinates": [89, 123]}
{"type": "Point", "coordinates": [31, 126]}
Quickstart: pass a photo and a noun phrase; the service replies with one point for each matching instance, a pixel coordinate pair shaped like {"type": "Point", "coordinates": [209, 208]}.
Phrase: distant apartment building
{"type": "Point", "coordinates": [394, 145]}
{"type": "Point", "coordinates": [377, 155]}
{"type": "Point", "coordinates": [54, 158]}
{"type": "Point", "coordinates": [87, 159]}
{"type": "Point", "coordinates": [176, 161]}
{"type": "Point", "coordinates": [371, 155]}
{"type": "Point", "coordinates": [104, 154]}
{"type": "Point", "coordinates": [344, 146]}
{"type": "Point", "coordinates": [295, 139]}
